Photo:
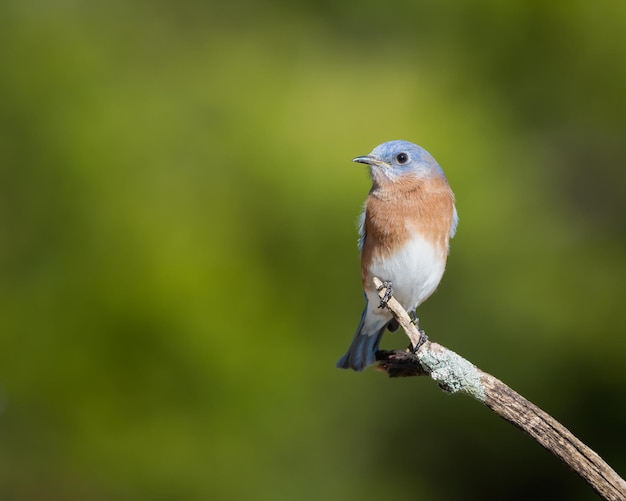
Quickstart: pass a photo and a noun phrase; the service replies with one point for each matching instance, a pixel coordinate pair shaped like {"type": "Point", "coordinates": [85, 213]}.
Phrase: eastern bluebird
{"type": "Point", "coordinates": [405, 228]}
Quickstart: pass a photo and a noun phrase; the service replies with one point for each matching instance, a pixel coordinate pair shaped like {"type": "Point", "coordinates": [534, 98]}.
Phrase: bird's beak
{"type": "Point", "coordinates": [363, 160]}
{"type": "Point", "coordinates": [369, 160]}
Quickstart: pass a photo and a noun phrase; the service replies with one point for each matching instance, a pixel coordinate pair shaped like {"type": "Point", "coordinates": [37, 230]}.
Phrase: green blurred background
{"type": "Point", "coordinates": [179, 270]}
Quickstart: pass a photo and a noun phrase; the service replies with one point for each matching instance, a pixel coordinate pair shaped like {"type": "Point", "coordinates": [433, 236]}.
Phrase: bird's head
{"type": "Point", "coordinates": [395, 160]}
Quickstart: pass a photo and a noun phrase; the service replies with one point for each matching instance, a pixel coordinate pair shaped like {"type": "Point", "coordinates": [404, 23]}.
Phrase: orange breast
{"type": "Point", "coordinates": [397, 211]}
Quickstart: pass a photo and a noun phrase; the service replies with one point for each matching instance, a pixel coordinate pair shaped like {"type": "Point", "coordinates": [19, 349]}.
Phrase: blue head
{"type": "Point", "coordinates": [394, 159]}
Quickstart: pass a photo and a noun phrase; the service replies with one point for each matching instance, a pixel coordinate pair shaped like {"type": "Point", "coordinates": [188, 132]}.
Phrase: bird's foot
{"type": "Point", "coordinates": [423, 338]}
{"type": "Point", "coordinates": [414, 320]}
{"type": "Point", "coordinates": [388, 293]}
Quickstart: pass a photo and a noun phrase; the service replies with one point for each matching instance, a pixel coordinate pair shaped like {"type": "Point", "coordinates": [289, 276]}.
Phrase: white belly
{"type": "Point", "coordinates": [415, 272]}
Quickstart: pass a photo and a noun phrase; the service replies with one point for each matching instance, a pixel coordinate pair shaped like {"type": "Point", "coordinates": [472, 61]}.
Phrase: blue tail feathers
{"type": "Point", "coordinates": [362, 350]}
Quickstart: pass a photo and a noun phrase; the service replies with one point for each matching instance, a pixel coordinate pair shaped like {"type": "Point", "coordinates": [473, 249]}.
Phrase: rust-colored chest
{"type": "Point", "coordinates": [394, 214]}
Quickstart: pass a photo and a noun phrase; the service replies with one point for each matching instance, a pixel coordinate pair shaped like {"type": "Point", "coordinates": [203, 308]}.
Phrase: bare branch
{"type": "Point", "coordinates": [455, 374]}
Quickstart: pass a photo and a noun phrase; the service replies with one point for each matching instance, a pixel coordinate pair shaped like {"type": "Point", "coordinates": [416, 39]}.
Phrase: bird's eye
{"type": "Point", "coordinates": [402, 158]}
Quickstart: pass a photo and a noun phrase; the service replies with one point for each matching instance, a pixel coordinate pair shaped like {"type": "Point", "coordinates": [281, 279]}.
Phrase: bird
{"type": "Point", "coordinates": [405, 228]}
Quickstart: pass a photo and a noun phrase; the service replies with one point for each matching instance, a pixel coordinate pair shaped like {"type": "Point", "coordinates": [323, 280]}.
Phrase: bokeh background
{"type": "Point", "coordinates": [179, 270]}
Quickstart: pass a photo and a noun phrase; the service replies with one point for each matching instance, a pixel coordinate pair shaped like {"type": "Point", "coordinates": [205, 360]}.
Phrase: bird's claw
{"type": "Point", "coordinates": [388, 294]}
{"type": "Point", "coordinates": [423, 338]}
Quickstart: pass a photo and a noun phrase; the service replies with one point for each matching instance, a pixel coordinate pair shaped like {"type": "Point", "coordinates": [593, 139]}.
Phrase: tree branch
{"type": "Point", "coordinates": [455, 374]}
